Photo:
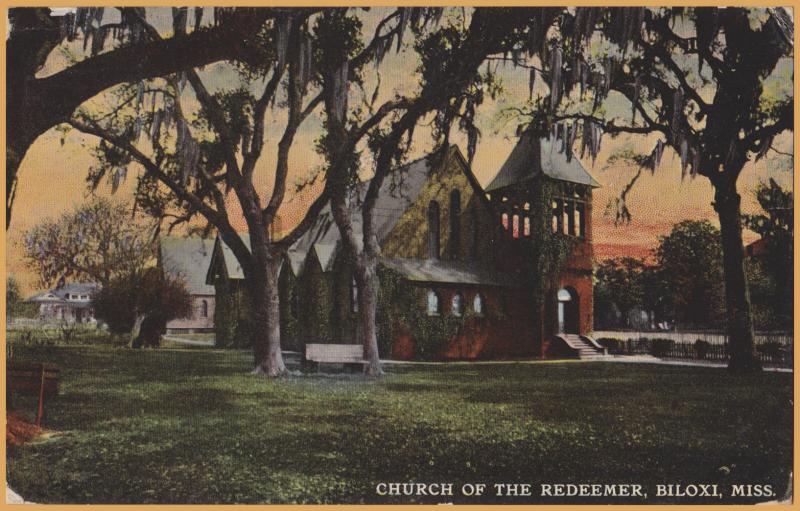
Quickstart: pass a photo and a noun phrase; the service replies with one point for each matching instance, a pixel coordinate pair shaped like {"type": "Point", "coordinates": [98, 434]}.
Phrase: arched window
{"type": "Point", "coordinates": [477, 304]}
{"type": "Point", "coordinates": [515, 226]}
{"type": "Point", "coordinates": [432, 303]}
{"type": "Point", "coordinates": [353, 295]}
{"type": "Point", "coordinates": [204, 309]}
{"type": "Point", "coordinates": [455, 222]}
{"type": "Point", "coordinates": [526, 230]}
{"type": "Point", "coordinates": [433, 230]}
{"type": "Point", "coordinates": [505, 221]}
{"type": "Point", "coordinates": [457, 305]}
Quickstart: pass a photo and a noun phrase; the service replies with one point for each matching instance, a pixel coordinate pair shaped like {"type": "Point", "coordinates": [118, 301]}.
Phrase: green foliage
{"type": "Point", "coordinates": [774, 351]}
{"type": "Point", "coordinates": [192, 425]}
{"type": "Point", "coordinates": [619, 283]}
{"type": "Point", "coordinates": [615, 346]}
{"type": "Point", "coordinates": [16, 306]}
{"type": "Point", "coordinates": [76, 335]}
{"type": "Point", "coordinates": [690, 260]}
{"type": "Point", "coordinates": [547, 251]}
{"type": "Point", "coordinates": [701, 348]}
{"type": "Point", "coordinates": [291, 306]}
{"type": "Point", "coordinates": [661, 347]}
{"type": "Point", "coordinates": [403, 305]}
{"type": "Point", "coordinates": [149, 293]}
{"type": "Point", "coordinates": [233, 323]}
{"type": "Point", "coordinates": [97, 241]}
{"type": "Point", "coordinates": [772, 276]}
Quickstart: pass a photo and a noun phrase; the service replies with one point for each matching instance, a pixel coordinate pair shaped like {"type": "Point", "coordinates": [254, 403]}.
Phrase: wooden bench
{"type": "Point", "coordinates": [335, 353]}
{"type": "Point", "coordinates": [32, 379]}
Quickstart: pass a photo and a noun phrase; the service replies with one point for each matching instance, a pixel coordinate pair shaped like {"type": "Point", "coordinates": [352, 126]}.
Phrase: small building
{"type": "Point", "coordinates": [188, 258]}
{"type": "Point", "coordinates": [69, 303]}
{"type": "Point", "coordinates": [455, 279]}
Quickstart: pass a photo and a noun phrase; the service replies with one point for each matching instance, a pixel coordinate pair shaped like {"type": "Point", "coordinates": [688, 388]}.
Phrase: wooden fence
{"type": "Point", "coordinates": [773, 348]}
{"type": "Point", "coordinates": [689, 337]}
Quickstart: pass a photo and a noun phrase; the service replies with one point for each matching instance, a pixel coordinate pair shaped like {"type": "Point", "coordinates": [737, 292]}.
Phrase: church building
{"type": "Point", "coordinates": [455, 272]}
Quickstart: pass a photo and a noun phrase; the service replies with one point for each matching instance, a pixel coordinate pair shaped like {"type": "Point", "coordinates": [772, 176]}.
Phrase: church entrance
{"type": "Point", "coordinates": [568, 313]}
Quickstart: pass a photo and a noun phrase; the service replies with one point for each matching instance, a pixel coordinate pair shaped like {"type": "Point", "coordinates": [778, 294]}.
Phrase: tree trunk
{"type": "Point", "coordinates": [263, 289]}
{"type": "Point", "coordinates": [367, 281]}
{"type": "Point", "coordinates": [743, 358]}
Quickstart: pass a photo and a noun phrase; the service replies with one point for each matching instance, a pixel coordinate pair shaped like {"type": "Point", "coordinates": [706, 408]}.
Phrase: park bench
{"type": "Point", "coordinates": [348, 354]}
{"type": "Point", "coordinates": [32, 379]}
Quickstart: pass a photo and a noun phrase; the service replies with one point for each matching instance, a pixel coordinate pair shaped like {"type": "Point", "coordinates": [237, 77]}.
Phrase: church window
{"type": "Point", "coordinates": [457, 305]}
{"type": "Point", "coordinates": [477, 304]}
{"type": "Point", "coordinates": [526, 230]}
{"type": "Point", "coordinates": [515, 226]}
{"type": "Point", "coordinates": [432, 303]}
{"type": "Point", "coordinates": [505, 221]}
{"type": "Point", "coordinates": [433, 230]}
{"type": "Point", "coordinates": [204, 309]}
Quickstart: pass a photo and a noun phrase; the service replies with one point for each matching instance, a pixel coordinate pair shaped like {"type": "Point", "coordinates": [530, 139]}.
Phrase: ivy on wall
{"type": "Point", "coordinates": [233, 325]}
{"type": "Point", "coordinates": [547, 251]}
{"type": "Point", "coordinates": [401, 303]}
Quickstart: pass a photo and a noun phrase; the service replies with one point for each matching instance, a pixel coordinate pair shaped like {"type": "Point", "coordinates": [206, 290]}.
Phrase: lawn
{"type": "Point", "coordinates": [191, 426]}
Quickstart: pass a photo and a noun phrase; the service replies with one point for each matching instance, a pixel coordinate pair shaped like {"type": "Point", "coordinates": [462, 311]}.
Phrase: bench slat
{"type": "Point", "coordinates": [335, 353]}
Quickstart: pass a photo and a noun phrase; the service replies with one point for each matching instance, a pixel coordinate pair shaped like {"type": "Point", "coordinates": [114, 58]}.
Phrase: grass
{"type": "Point", "coordinates": [196, 336]}
{"type": "Point", "coordinates": [191, 426]}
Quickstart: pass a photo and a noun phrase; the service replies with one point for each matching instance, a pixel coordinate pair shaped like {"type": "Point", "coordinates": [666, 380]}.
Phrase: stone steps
{"type": "Point", "coordinates": [586, 351]}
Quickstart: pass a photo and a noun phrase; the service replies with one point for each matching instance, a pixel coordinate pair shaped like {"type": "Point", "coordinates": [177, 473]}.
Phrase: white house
{"type": "Point", "coordinates": [70, 303]}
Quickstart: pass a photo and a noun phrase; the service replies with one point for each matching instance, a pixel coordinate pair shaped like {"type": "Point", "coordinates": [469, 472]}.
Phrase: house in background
{"type": "Point", "coordinates": [188, 258]}
{"type": "Point", "coordinates": [455, 283]}
{"type": "Point", "coordinates": [70, 303]}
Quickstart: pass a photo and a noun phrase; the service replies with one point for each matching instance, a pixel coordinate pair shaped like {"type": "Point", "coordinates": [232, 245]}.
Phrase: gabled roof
{"type": "Point", "coordinates": [45, 297]}
{"type": "Point", "coordinates": [187, 258]}
{"type": "Point", "coordinates": [60, 294]}
{"type": "Point", "coordinates": [398, 191]}
{"type": "Point", "coordinates": [231, 264]}
{"type": "Point", "coordinates": [533, 156]}
{"type": "Point", "coordinates": [450, 272]}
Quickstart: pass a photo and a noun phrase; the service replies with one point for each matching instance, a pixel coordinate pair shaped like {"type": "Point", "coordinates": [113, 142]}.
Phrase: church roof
{"type": "Point", "coordinates": [188, 258]}
{"type": "Point", "coordinates": [398, 191]}
{"type": "Point", "coordinates": [450, 272]}
{"type": "Point", "coordinates": [533, 156]}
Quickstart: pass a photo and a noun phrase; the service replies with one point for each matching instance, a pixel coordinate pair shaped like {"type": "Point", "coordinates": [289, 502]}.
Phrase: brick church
{"type": "Point", "coordinates": [452, 270]}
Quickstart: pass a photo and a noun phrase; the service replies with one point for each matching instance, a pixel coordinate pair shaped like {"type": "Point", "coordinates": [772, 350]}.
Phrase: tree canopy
{"type": "Point", "coordinates": [97, 241]}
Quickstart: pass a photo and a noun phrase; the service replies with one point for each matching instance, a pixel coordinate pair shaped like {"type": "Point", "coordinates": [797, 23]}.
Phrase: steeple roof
{"type": "Point", "coordinates": [533, 156]}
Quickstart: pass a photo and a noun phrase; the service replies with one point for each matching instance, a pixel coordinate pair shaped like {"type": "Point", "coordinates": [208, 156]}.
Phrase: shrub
{"type": "Point", "coordinates": [701, 348]}
{"type": "Point", "coordinates": [614, 345]}
{"type": "Point", "coordinates": [773, 351]}
{"type": "Point", "coordinates": [660, 347]}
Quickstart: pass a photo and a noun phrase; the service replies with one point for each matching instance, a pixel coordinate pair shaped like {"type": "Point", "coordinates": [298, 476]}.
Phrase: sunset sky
{"type": "Point", "coordinates": [52, 176]}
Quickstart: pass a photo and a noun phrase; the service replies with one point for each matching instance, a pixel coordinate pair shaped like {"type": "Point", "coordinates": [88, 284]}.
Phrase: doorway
{"type": "Point", "coordinates": [568, 311]}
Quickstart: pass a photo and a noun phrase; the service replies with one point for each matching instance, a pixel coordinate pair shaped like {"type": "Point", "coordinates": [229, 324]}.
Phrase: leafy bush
{"type": "Point", "coordinates": [150, 295]}
{"type": "Point", "coordinates": [774, 351]}
{"type": "Point", "coordinates": [614, 345]}
{"type": "Point", "coordinates": [660, 347]}
{"type": "Point", "coordinates": [76, 335]}
{"type": "Point", "coordinates": [701, 348]}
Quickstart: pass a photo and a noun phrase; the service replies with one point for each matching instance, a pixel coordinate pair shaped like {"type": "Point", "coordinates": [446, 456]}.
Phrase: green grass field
{"type": "Point", "coordinates": [191, 426]}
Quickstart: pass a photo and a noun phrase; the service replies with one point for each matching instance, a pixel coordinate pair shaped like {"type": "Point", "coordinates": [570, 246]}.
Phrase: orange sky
{"type": "Point", "coordinates": [52, 176]}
